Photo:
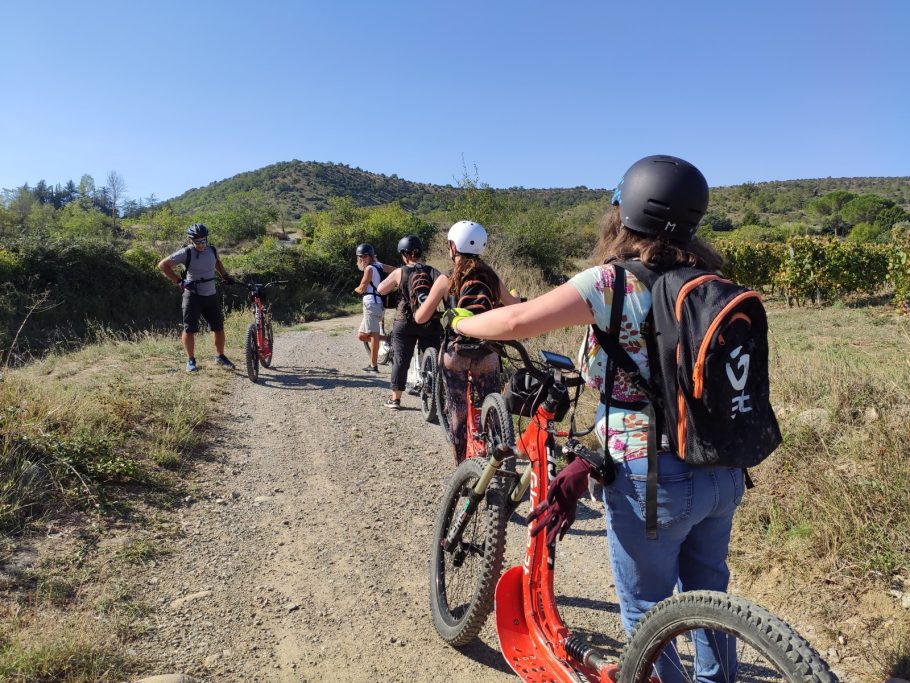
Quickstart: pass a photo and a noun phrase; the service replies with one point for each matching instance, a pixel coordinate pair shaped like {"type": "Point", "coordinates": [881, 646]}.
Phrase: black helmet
{"type": "Point", "coordinates": [409, 243]}
{"type": "Point", "coordinates": [197, 231]}
{"type": "Point", "coordinates": [365, 250]}
{"type": "Point", "coordinates": [662, 196]}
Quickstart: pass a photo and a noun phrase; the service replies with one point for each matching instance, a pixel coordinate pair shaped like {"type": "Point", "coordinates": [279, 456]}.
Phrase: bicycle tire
{"type": "Point", "coordinates": [270, 339]}
{"type": "Point", "coordinates": [496, 422]}
{"type": "Point", "coordinates": [461, 596]}
{"type": "Point", "coordinates": [439, 389]}
{"type": "Point", "coordinates": [664, 628]}
{"type": "Point", "coordinates": [252, 354]}
{"type": "Point", "coordinates": [428, 373]}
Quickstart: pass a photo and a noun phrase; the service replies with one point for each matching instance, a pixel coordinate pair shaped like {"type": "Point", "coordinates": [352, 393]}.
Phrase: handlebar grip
{"type": "Point", "coordinates": [603, 467]}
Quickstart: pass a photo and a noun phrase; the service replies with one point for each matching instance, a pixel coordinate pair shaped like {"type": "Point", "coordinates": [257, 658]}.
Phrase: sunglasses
{"type": "Point", "coordinates": [202, 241]}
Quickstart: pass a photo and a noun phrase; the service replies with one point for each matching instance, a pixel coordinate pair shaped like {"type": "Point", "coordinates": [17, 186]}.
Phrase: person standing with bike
{"type": "Point", "coordinates": [474, 285]}
{"type": "Point", "coordinates": [200, 298]}
{"type": "Point", "coordinates": [415, 279]}
{"type": "Point", "coordinates": [654, 214]}
{"type": "Point", "coordinates": [373, 307]}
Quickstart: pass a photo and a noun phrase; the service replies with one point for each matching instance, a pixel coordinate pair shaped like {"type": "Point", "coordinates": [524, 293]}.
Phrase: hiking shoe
{"type": "Point", "coordinates": [224, 362]}
{"type": "Point", "coordinates": [393, 403]}
{"type": "Point", "coordinates": [191, 365]}
{"type": "Point", "coordinates": [371, 368]}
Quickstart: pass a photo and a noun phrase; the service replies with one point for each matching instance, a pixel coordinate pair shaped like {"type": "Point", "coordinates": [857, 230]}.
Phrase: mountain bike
{"type": "Point", "coordinates": [260, 339]}
{"type": "Point", "coordinates": [470, 531]}
{"type": "Point", "coordinates": [469, 539]}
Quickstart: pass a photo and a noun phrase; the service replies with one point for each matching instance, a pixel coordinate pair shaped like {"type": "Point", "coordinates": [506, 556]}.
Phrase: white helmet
{"type": "Point", "coordinates": [468, 237]}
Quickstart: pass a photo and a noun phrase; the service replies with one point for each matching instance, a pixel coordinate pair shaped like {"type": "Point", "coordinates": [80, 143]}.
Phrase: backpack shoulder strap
{"type": "Point", "coordinates": [214, 251]}
{"type": "Point", "coordinates": [187, 255]}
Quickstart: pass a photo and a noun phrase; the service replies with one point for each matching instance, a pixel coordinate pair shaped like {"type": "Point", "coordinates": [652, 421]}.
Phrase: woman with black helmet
{"type": "Point", "coordinates": [482, 289]}
{"type": "Point", "coordinates": [655, 211]}
{"type": "Point", "coordinates": [414, 278]}
{"type": "Point", "coordinates": [373, 308]}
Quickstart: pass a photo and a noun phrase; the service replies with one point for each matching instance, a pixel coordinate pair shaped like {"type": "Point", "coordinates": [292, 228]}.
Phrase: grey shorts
{"type": "Point", "coordinates": [372, 318]}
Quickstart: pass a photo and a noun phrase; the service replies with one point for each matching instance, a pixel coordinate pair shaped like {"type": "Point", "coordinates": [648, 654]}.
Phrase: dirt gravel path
{"type": "Point", "coordinates": [308, 559]}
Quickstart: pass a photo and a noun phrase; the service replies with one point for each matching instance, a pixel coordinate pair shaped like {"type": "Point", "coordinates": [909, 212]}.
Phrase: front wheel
{"type": "Point", "coordinates": [270, 345]}
{"type": "Point", "coordinates": [463, 581]}
{"type": "Point", "coordinates": [252, 354]}
{"type": "Point", "coordinates": [734, 635]}
{"type": "Point", "coordinates": [427, 379]}
{"type": "Point", "coordinates": [496, 421]}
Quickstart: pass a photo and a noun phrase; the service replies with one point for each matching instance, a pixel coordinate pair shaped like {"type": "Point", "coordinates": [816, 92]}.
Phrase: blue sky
{"type": "Point", "coordinates": [175, 95]}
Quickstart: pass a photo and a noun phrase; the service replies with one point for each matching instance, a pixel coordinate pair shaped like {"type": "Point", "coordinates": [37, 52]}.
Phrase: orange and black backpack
{"type": "Point", "coordinates": [709, 393]}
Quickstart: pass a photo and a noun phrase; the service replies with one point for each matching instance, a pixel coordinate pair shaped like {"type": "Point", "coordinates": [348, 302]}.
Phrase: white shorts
{"type": "Point", "coordinates": [372, 318]}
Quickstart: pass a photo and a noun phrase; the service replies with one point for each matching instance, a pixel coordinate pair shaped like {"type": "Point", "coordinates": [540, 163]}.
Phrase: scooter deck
{"type": "Point", "coordinates": [533, 661]}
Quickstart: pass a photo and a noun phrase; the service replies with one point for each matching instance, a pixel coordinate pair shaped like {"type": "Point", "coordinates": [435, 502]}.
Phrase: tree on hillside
{"type": "Point", "coordinates": [116, 186]}
{"type": "Point", "coordinates": [887, 218]}
{"type": "Point", "coordinates": [827, 210]}
{"type": "Point", "coordinates": [864, 209]}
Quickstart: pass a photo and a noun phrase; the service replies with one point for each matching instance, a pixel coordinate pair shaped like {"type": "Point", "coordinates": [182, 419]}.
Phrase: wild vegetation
{"type": "Point", "coordinates": [84, 433]}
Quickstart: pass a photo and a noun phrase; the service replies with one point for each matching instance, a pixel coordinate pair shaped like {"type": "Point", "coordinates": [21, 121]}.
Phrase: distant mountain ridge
{"type": "Point", "coordinates": [298, 187]}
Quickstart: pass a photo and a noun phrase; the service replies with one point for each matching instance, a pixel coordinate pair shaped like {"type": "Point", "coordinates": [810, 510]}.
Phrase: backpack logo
{"type": "Point", "coordinates": [738, 403]}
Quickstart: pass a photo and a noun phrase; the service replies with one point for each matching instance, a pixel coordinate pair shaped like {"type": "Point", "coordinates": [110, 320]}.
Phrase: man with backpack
{"type": "Point", "coordinates": [414, 279]}
{"type": "Point", "coordinates": [680, 421]}
{"type": "Point", "coordinates": [373, 303]}
{"type": "Point", "coordinates": [200, 298]}
{"type": "Point", "coordinates": [471, 285]}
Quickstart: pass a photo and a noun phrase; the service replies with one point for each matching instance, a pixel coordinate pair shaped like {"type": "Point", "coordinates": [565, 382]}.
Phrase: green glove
{"type": "Point", "coordinates": [453, 315]}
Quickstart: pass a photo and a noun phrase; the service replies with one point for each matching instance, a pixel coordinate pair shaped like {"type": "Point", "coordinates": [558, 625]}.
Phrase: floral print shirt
{"type": "Point", "coordinates": [624, 433]}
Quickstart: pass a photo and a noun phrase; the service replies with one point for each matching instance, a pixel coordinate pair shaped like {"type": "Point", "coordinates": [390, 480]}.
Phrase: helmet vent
{"type": "Point", "coordinates": [658, 204]}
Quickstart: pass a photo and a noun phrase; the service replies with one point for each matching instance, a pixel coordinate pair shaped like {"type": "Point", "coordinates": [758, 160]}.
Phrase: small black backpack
{"type": "Point", "coordinates": [709, 392]}
{"type": "Point", "coordinates": [416, 281]}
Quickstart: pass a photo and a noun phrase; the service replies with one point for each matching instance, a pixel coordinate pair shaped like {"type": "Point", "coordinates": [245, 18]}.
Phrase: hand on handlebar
{"type": "Point", "coordinates": [453, 316]}
{"type": "Point", "coordinates": [557, 513]}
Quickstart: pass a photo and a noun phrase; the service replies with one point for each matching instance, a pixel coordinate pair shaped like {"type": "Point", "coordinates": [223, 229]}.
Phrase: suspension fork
{"type": "Point", "coordinates": [477, 494]}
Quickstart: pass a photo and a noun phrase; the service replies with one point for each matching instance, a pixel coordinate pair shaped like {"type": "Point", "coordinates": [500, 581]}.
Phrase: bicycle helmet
{"type": "Point", "coordinates": [409, 243]}
{"type": "Point", "coordinates": [662, 196]}
{"type": "Point", "coordinates": [197, 231]}
{"type": "Point", "coordinates": [365, 250]}
{"type": "Point", "coordinates": [468, 237]}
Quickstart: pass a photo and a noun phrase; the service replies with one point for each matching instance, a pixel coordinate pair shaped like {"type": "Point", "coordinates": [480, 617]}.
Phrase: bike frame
{"type": "Point", "coordinates": [260, 317]}
{"type": "Point", "coordinates": [534, 639]}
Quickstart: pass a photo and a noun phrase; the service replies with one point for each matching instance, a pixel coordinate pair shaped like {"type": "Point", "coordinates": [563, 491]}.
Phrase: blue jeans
{"type": "Point", "coordinates": [695, 507]}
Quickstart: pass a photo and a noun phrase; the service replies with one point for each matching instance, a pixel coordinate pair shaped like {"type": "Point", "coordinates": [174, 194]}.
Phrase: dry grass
{"type": "Point", "coordinates": [96, 433]}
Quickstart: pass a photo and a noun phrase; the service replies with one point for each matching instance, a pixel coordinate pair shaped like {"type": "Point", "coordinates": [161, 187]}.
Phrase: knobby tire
{"type": "Point", "coordinates": [252, 354]}
{"type": "Point", "coordinates": [428, 376]}
{"type": "Point", "coordinates": [270, 340]}
{"type": "Point", "coordinates": [768, 649]}
{"type": "Point", "coordinates": [461, 597]}
{"type": "Point", "coordinates": [439, 391]}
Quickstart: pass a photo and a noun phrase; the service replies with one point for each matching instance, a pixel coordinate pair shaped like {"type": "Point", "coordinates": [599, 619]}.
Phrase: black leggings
{"type": "Point", "coordinates": [405, 333]}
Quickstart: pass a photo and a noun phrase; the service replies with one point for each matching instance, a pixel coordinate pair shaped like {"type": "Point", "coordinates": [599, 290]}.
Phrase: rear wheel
{"type": "Point", "coordinates": [252, 353]}
{"type": "Point", "coordinates": [463, 581]}
{"type": "Point", "coordinates": [270, 342]}
{"type": "Point", "coordinates": [439, 390]}
{"type": "Point", "coordinates": [748, 639]}
{"type": "Point", "coordinates": [427, 379]}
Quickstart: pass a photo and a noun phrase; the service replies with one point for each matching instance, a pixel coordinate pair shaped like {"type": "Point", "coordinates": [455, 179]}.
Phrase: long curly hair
{"type": "Point", "coordinates": [617, 241]}
{"type": "Point", "coordinates": [470, 267]}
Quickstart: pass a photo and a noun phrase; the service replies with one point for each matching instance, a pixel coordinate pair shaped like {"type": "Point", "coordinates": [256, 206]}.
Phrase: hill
{"type": "Point", "coordinates": [298, 187]}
